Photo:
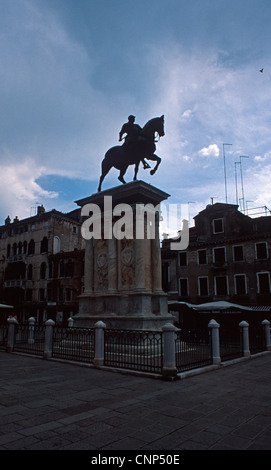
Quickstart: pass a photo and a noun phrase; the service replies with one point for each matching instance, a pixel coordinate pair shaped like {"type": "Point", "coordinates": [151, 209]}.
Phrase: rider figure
{"type": "Point", "coordinates": [132, 132]}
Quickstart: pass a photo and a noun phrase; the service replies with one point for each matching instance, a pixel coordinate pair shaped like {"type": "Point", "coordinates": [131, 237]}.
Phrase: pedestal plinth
{"type": "Point", "coordinates": [122, 279]}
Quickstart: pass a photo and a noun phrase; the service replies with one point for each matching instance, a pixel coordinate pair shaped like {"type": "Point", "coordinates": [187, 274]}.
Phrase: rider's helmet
{"type": "Point", "coordinates": [131, 118]}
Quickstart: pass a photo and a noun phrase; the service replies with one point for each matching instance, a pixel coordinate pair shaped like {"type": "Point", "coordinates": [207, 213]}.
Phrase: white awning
{"type": "Point", "coordinates": [219, 305]}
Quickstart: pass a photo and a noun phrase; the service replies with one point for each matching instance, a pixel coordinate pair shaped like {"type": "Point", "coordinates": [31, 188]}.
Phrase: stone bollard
{"type": "Point", "coordinates": [266, 325]}
{"type": "Point", "coordinates": [169, 358]}
{"type": "Point", "coordinates": [214, 326]}
{"type": "Point", "coordinates": [48, 345]}
{"type": "Point", "coordinates": [244, 331]}
{"type": "Point", "coordinates": [31, 323]}
{"type": "Point", "coordinates": [12, 323]}
{"type": "Point", "coordinates": [99, 344]}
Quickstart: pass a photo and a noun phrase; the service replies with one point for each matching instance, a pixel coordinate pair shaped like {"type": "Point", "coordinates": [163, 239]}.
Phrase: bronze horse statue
{"type": "Point", "coordinates": [143, 147]}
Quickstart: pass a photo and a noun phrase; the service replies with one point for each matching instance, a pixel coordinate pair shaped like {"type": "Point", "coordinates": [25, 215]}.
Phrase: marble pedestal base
{"type": "Point", "coordinates": [131, 311]}
{"type": "Point", "coordinates": [122, 279]}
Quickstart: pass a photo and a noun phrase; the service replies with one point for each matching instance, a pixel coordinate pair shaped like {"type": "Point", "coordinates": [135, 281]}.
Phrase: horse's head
{"type": "Point", "coordinates": [160, 127]}
{"type": "Point", "coordinates": [153, 126]}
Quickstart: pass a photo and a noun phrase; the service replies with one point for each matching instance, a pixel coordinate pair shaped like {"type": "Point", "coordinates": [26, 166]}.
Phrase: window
{"type": "Point", "coordinates": [51, 270]}
{"type": "Point", "coordinates": [29, 272]}
{"type": "Point", "coordinates": [183, 287]}
{"type": "Point", "coordinates": [41, 295]}
{"type": "Point", "coordinates": [263, 281]}
{"type": "Point", "coordinates": [69, 268]}
{"type": "Point", "coordinates": [261, 250]}
{"type": "Point", "coordinates": [60, 294]}
{"type": "Point", "coordinates": [238, 253]}
{"type": "Point", "coordinates": [43, 271]}
{"type": "Point", "coordinates": [240, 284]}
{"type": "Point", "coordinates": [219, 256]}
{"type": "Point", "coordinates": [218, 226]}
{"type": "Point", "coordinates": [8, 251]}
{"type": "Point", "coordinates": [202, 256]}
{"type": "Point", "coordinates": [56, 245]}
{"type": "Point", "coordinates": [221, 285]}
{"type": "Point", "coordinates": [68, 296]}
{"type": "Point", "coordinates": [183, 258]}
{"type": "Point", "coordinates": [203, 286]}
{"type": "Point", "coordinates": [31, 247]}
{"type": "Point", "coordinates": [44, 245]}
{"type": "Point", "coordinates": [49, 294]}
{"type": "Point", "coordinates": [61, 269]}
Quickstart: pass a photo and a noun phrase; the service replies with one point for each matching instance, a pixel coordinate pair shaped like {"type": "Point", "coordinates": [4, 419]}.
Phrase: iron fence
{"type": "Point", "coordinates": [231, 342]}
{"type": "Point", "coordinates": [138, 350]}
{"type": "Point", "coordinates": [133, 349]}
{"type": "Point", "coordinates": [3, 336]}
{"type": "Point", "coordinates": [193, 349]}
{"type": "Point", "coordinates": [256, 338]}
{"type": "Point", "coordinates": [74, 344]}
{"type": "Point", "coordinates": [29, 339]}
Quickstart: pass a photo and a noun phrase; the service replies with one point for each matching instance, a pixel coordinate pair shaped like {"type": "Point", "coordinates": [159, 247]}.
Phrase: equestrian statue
{"type": "Point", "coordinates": [139, 144]}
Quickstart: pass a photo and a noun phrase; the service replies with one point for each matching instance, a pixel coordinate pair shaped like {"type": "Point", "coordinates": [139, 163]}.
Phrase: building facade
{"type": "Point", "coordinates": [228, 258]}
{"type": "Point", "coordinates": [41, 264]}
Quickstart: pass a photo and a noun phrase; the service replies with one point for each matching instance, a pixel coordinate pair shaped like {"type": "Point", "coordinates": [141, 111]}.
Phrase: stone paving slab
{"type": "Point", "coordinates": [48, 405]}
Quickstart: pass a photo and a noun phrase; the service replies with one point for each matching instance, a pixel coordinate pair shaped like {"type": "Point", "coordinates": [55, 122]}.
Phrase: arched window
{"type": "Point", "coordinates": [8, 250]}
{"type": "Point", "coordinates": [61, 269]}
{"type": "Point", "coordinates": [44, 245]}
{"type": "Point", "coordinates": [20, 247]}
{"type": "Point", "coordinates": [43, 270]}
{"type": "Point", "coordinates": [29, 272]}
{"type": "Point", "coordinates": [69, 268]}
{"type": "Point", "coordinates": [31, 247]}
{"type": "Point", "coordinates": [14, 249]}
{"type": "Point", "coordinates": [56, 246]}
{"type": "Point", "coordinates": [25, 247]}
{"type": "Point", "coordinates": [51, 270]}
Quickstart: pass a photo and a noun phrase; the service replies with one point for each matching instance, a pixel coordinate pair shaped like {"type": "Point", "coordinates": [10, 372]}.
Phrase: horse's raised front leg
{"type": "Point", "coordinates": [156, 159]}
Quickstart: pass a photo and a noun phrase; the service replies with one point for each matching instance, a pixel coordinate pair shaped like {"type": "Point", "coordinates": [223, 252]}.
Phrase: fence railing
{"type": "Point", "coordinates": [231, 343]}
{"type": "Point", "coordinates": [168, 352]}
{"type": "Point", "coordinates": [193, 349]}
{"type": "Point", "coordinates": [138, 350]}
{"type": "Point", "coordinates": [3, 336]}
{"type": "Point", "coordinates": [74, 344]}
{"type": "Point", "coordinates": [29, 338]}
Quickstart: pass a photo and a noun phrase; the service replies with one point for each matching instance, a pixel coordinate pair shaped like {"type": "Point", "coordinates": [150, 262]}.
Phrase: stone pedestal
{"type": "Point", "coordinates": [122, 281]}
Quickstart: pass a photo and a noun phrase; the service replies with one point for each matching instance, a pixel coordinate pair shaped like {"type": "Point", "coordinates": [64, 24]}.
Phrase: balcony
{"type": "Point", "coordinates": [15, 283]}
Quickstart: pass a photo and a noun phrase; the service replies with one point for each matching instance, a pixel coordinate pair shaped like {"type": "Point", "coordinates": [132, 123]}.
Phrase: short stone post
{"type": "Point", "coordinates": [70, 322]}
{"type": "Point", "coordinates": [48, 345]}
{"type": "Point", "coordinates": [245, 336]}
{"type": "Point", "coordinates": [31, 323]}
{"type": "Point", "coordinates": [214, 326]}
{"type": "Point", "coordinates": [99, 343]}
{"type": "Point", "coordinates": [169, 358]}
{"type": "Point", "coordinates": [266, 326]}
{"type": "Point", "coordinates": [12, 323]}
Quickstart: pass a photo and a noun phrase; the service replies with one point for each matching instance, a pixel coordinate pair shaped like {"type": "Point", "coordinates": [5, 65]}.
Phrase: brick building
{"type": "Point", "coordinates": [228, 258]}
{"type": "Point", "coordinates": [41, 264]}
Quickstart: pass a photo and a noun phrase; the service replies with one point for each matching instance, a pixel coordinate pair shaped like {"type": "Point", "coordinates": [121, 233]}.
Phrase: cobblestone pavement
{"type": "Point", "coordinates": [47, 405]}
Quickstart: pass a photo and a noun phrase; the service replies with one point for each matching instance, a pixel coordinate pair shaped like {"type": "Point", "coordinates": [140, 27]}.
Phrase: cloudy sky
{"type": "Point", "coordinates": [71, 71]}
